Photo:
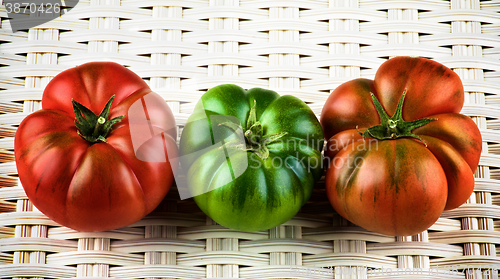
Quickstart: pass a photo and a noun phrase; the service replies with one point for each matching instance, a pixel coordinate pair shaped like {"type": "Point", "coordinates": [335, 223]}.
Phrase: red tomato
{"type": "Point", "coordinates": [400, 156]}
{"type": "Point", "coordinates": [104, 184]}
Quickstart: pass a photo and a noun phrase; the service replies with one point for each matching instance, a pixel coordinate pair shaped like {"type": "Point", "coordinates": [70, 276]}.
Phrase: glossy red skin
{"type": "Point", "coordinates": [100, 186]}
{"type": "Point", "coordinates": [435, 177]}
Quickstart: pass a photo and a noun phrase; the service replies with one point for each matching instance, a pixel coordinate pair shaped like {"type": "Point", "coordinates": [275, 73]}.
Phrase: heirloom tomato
{"type": "Point", "coordinates": [76, 157]}
{"type": "Point", "coordinates": [251, 157]}
{"type": "Point", "coordinates": [399, 152]}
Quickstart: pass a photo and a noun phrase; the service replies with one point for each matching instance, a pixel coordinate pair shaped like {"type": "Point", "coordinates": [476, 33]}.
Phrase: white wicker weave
{"type": "Point", "coordinates": [304, 48]}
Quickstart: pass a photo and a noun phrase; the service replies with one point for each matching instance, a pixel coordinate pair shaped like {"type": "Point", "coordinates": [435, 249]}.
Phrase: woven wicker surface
{"type": "Point", "coordinates": [301, 47]}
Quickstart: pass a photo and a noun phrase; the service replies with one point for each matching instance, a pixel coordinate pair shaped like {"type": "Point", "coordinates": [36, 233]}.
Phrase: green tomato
{"type": "Point", "coordinates": [251, 157]}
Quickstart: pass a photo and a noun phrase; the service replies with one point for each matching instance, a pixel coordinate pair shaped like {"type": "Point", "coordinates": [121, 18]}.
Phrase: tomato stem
{"type": "Point", "coordinates": [255, 139]}
{"type": "Point", "coordinates": [394, 127]}
{"type": "Point", "coordinates": [254, 135]}
{"type": "Point", "coordinates": [91, 127]}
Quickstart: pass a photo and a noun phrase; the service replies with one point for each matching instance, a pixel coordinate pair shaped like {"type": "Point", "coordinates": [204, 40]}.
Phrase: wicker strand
{"type": "Point", "coordinates": [221, 69]}
{"type": "Point", "coordinates": [471, 248]}
{"type": "Point", "coordinates": [165, 84]}
{"type": "Point", "coordinates": [24, 205]}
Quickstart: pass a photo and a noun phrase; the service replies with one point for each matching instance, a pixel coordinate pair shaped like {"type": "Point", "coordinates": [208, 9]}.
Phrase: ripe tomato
{"type": "Point", "coordinates": [251, 156]}
{"type": "Point", "coordinates": [90, 176]}
{"type": "Point", "coordinates": [399, 152]}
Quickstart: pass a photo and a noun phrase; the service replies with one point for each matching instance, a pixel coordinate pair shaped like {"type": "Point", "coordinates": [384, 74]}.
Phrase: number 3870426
{"type": "Point", "coordinates": [25, 8]}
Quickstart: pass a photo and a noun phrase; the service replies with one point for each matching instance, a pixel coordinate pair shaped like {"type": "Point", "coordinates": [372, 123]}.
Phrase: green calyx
{"type": "Point", "coordinates": [91, 127]}
{"type": "Point", "coordinates": [255, 139]}
{"type": "Point", "coordinates": [394, 127]}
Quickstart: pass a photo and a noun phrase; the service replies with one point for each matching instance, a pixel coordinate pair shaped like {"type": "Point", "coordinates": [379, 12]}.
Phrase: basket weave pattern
{"type": "Point", "coordinates": [304, 48]}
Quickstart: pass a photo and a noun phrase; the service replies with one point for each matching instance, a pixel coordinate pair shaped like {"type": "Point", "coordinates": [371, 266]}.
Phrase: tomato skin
{"type": "Point", "coordinates": [400, 200]}
{"type": "Point", "coordinates": [352, 107]}
{"type": "Point", "coordinates": [252, 193]}
{"type": "Point", "coordinates": [94, 186]}
{"type": "Point", "coordinates": [466, 140]}
{"type": "Point", "coordinates": [444, 160]}
{"type": "Point", "coordinates": [429, 84]}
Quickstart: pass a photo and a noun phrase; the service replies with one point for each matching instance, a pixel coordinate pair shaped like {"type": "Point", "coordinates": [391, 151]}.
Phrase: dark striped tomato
{"type": "Point", "coordinates": [399, 152]}
{"type": "Point", "coordinates": [251, 157]}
